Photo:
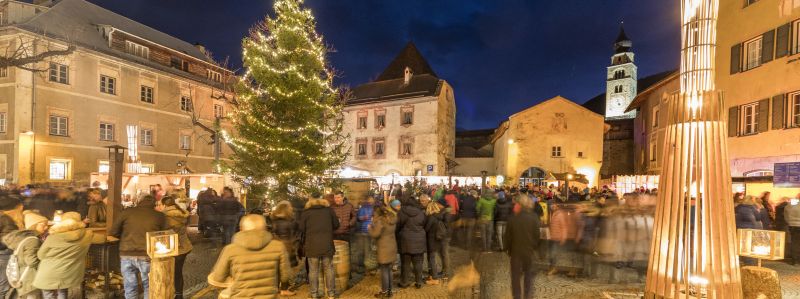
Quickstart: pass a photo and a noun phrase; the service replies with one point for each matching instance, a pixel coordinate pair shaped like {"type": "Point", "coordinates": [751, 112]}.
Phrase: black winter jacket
{"type": "Point", "coordinates": [431, 225]}
{"type": "Point", "coordinates": [132, 226]}
{"type": "Point", "coordinates": [522, 234]}
{"type": "Point", "coordinates": [317, 224]}
{"type": "Point", "coordinates": [468, 207]}
{"type": "Point", "coordinates": [411, 229]}
{"type": "Point", "coordinates": [503, 210]}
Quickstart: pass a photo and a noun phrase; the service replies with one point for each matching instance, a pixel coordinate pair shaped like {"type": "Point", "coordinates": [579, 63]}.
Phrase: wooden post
{"type": "Point", "coordinates": [116, 164]}
{"type": "Point", "coordinates": [162, 277]}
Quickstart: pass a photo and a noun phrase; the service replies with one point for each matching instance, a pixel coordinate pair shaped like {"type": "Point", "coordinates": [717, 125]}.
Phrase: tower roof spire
{"type": "Point", "coordinates": [623, 43]}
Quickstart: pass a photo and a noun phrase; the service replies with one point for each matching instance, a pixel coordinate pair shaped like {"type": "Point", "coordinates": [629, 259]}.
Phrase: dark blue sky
{"type": "Point", "coordinates": [501, 56]}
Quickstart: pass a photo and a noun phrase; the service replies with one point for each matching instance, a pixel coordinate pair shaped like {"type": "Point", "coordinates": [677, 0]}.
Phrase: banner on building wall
{"type": "Point", "coordinates": [786, 175]}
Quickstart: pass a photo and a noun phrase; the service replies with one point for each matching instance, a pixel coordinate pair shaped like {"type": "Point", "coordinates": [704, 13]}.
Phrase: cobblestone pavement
{"type": "Point", "coordinates": [494, 285]}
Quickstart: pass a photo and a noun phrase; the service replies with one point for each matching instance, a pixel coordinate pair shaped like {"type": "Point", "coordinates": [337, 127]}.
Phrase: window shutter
{"type": "Point", "coordinates": [733, 121]}
{"type": "Point", "coordinates": [763, 115]}
{"type": "Point", "coordinates": [778, 117]}
{"type": "Point", "coordinates": [736, 58]}
{"type": "Point", "coordinates": [767, 46]}
{"type": "Point", "coordinates": [782, 40]}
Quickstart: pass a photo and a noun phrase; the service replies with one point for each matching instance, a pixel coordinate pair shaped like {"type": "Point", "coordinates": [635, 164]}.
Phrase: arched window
{"type": "Point", "coordinates": [619, 74]}
{"type": "Point", "coordinates": [618, 89]}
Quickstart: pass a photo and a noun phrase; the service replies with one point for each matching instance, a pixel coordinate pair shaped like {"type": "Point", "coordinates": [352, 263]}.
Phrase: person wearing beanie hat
{"type": "Point", "coordinates": [395, 204]}
{"type": "Point", "coordinates": [32, 221]}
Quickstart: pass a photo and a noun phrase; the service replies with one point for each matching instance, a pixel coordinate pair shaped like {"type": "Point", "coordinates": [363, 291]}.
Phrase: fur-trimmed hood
{"type": "Point", "coordinates": [68, 230]}
{"type": "Point", "coordinates": [282, 211]}
{"type": "Point", "coordinates": [317, 202]}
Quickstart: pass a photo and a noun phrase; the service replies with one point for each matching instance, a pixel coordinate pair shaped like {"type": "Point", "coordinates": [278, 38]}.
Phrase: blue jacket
{"type": "Point", "coordinates": [364, 217]}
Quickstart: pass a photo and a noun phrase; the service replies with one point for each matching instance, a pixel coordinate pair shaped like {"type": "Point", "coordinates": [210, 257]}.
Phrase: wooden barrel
{"type": "Point", "coordinates": [341, 265]}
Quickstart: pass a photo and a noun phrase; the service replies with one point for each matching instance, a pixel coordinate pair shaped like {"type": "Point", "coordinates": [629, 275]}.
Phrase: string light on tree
{"type": "Point", "coordinates": [288, 123]}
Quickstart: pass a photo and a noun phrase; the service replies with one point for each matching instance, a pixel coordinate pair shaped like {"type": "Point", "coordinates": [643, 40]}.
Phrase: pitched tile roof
{"type": "Point", "coordinates": [77, 21]}
{"type": "Point", "coordinates": [379, 91]}
{"type": "Point", "coordinates": [408, 57]}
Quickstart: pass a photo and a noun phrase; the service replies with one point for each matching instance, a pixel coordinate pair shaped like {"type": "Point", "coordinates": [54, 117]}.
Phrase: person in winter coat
{"type": "Point", "coordinates": [747, 215]}
{"type": "Point", "coordinates": [317, 225]}
{"type": "Point", "coordinates": [8, 202]}
{"type": "Point", "coordinates": [411, 231]}
{"type": "Point", "coordinates": [791, 213]}
{"type": "Point", "coordinates": [62, 257]}
{"type": "Point", "coordinates": [434, 215]}
{"type": "Point", "coordinates": [131, 228]}
{"type": "Point", "coordinates": [176, 220]}
{"type": "Point", "coordinates": [346, 214]}
{"type": "Point", "coordinates": [522, 239]}
{"type": "Point", "coordinates": [382, 229]}
{"type": "Point", "coordinates": [96, 215]}
{"type": "Point", "coordinates": [468, 217]}
{"type": "Point", "coordinates": [502, 213]}
{"type": "Point", "coordinates": [362, 243]}
{"type": "Point", "coordinates": [587, 236]}
{"type": "Point", "coordinates": [284, 229]}
{"type": "Point", "coordinates": [485, 210]}
{"type": "Point", "coordinates": [207, 218]}
{"type": "Point", "coordinates": [26, 244]}
{"type": "Point", "coordinates": [563, 233]}
{"type": "Point", "coordinates": [229, 210]}
{"type": "Point", "coordinates": [253, 264]}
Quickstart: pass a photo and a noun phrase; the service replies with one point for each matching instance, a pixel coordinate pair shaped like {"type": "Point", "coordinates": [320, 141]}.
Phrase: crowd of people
{"type": "Point", "coordinates": [402, 235]}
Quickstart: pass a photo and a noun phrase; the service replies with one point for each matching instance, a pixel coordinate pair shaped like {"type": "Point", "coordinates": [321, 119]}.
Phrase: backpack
{"type": "Point", "coordinates": [15, 275]}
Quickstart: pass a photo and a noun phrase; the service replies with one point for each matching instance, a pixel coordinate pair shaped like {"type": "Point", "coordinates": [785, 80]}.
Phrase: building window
{"type": "Point", "coordinates": [147, 168]}
{"type": "Point", "coordinates": [580, 154]}
{"type": "Point", "coordinates": [186, 104]}
{"type": "Point", "coordinates": [59, 169]}
{"type": "Point", "coordinates": [103, 166]}
{"type": "Point", "coordinates": [652, 149]}
{"type": "Point", "coordinates": [750, 119]}
{"type": "Point", "coordinates": [362, 122]}
{"type": "Point", "coordinates": [3, 72]}
{"type": "Point", "coordinates": [407, 149]}
{"type": "Point", "coordinates": [362, 149]}
{"type": "Point", "coordinates": [748, 2]}
{"type": "Point", "coordinates": [407, 116]}
{"type": "Point", "coordinates": [219, 111]}
{"type": "Point", "coordinates": [59, 125]}
{"type": "Point", "coordinates": [146, 137]}
{"type": "Point", "coordinates": [379, 147]}
{"type": "Point", "coordinates": [106, 132]}
{"type": "Point", "coordinates": [618, 89]}
{"type": "Point", "coordinates": [655, 117]}
{"type": "Point", "coordinates": [176, 62]}
{"type": "Point", "coordinates": [185, 142]}
{"type": "Point", "coordinates": [619, 74]}
{"type": "Point", "coordinates": [380, 119]}
{"type": "Point", "coordinates": [137, 49]}
{"type": "Point", "coordinates": [794, 110]}
{"type": "Point", "coordinates": [555, 152]}
{"type": "Point", "coordinates": [147, 94]}
{"type": "Point", "coordinates": [795, 37]}
{"type": "Point", "coordinates": [214, 76]}
{"type": "Point", "coordinates": [3, 121]}
{"type": "Point", "coordinates": [752, 50]}
{"type": "Point", "coordinates": [108, 84]}
{"type": "Point", "coordinates": [59, 73]}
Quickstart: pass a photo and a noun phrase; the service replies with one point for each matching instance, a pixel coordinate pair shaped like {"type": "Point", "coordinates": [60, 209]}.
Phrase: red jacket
{"type": "Point", "coordinates": [452, 201]}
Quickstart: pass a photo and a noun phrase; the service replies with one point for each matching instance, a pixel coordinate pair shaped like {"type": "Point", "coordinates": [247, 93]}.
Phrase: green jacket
{"type": "Point", "coordinates": [27, 255]}
{"type": "Point", "coordinates": [254, 263]}
{"type": "Point", "coordinates": [485, 208]}
{"type": "Point", "coordinates": [63, 256]}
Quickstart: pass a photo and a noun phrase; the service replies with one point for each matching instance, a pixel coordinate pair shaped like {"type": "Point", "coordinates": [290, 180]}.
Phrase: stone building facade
{"type": "Point", "coordinates": [651, 123]}
{"type": "Point", "coordinates": [556, 136]}
{"type": "Point", "coordinates": [403, 122]}
{"type": "Point", "coordinates": [57, 119]}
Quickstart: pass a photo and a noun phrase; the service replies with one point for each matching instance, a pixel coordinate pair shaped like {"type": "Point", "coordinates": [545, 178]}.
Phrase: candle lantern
{"type": "Point", "coordinates": [761, 244]}
{"type": "Point", "coordinates": [57, 216]}
{"type": "Point", "coordinates": [162, 244]}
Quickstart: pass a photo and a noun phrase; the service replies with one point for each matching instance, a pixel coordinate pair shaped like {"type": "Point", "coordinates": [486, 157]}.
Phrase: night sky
{"type": "Point", "coordinates": [500, 56]}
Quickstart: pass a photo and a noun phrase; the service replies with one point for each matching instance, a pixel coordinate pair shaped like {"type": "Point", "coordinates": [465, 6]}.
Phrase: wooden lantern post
{"type": "Point", "coordinates": [162, 264]}
{"type": "Point", "coordinates": [693, 254]}
{"type": "Point", "coordinates": [116, 166]}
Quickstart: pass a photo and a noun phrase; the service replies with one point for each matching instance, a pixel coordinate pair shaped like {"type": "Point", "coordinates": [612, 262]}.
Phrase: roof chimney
{"type": "Point", "coordinates": [407, 75]}
{"type": "Point", "coordinates": [200, 47]}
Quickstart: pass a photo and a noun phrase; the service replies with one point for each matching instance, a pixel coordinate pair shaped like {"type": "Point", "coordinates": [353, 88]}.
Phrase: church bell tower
{"type": "Point", "coordinates": [621, 79]}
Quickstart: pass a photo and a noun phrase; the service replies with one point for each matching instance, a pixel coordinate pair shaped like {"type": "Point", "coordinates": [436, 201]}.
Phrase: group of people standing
{"type": "Point", "coordinates": [766, 213]}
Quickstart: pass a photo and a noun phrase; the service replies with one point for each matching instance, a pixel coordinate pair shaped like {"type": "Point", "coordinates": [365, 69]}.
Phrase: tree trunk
{"type": "Point", "coordinates": [162, 276]}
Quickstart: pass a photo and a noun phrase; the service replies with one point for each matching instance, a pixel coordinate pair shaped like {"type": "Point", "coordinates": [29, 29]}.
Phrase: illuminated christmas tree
{"type": "Point", "coordinates": [288, 121]}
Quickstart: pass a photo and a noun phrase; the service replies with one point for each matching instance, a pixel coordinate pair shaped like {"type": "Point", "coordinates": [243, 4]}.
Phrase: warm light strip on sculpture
{"type": "Point", "coordinates": [693, 254]}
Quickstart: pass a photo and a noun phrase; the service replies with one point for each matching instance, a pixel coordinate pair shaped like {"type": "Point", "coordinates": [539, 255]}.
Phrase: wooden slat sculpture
{"type": "Point", "coordinates": [693, 254]}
